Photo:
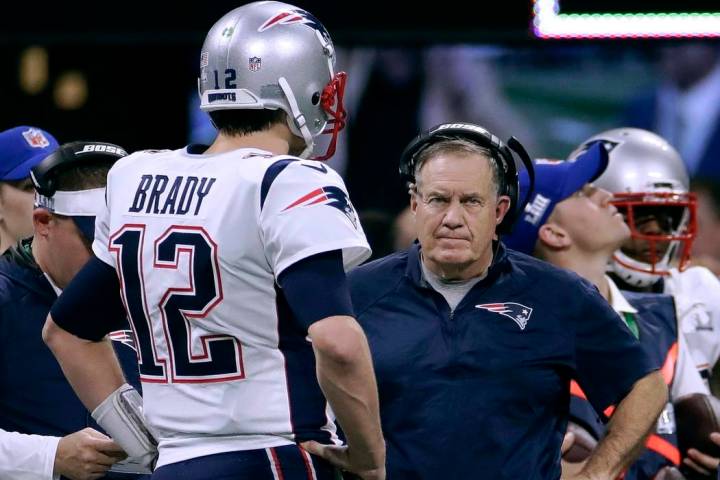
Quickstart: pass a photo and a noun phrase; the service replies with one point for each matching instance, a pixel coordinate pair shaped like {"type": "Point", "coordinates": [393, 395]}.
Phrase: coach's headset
{"type": "Point", "coordinates": [44, 175]}
{"type": "Point", "coordinates": [500, 152]}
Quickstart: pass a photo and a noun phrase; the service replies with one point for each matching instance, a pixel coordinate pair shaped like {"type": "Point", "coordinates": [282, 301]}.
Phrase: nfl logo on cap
{"type": "Point", "coordinates": [35, 138]}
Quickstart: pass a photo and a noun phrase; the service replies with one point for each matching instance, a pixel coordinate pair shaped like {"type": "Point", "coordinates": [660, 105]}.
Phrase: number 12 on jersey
{"type": "Point", "coordinates": [180, 308]}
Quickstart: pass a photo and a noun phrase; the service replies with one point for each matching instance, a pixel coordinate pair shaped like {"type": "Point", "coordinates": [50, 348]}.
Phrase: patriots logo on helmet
{"type": "Point", "coordinates": [290, 17]}
{"type": "Point", "coordinates": [609, 146]}
{"type": "Point", "coordinates": [123, 336]}
{"type": "Point", "coordinates": [331, 196]}
{"type": "Point", "coordinates": [517, 312]}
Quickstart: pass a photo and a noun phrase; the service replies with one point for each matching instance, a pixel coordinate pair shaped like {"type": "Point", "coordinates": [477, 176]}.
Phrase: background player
{"type": "Point", "coordinates": [579, 231]}
{"type": "Point", "coordinates": [650, 186]}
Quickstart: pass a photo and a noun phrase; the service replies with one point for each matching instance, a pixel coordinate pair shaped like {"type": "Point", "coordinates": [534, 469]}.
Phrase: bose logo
{"type": "Point", "coordinates": [466, 126]}
{"type": "Point", "coordinates": [102, 148]}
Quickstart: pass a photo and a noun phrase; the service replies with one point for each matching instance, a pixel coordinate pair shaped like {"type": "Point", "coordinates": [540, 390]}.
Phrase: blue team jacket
{"type": "Point", "coordinates": [35, 397]}
{"type": "Point", "coordinates": [483, 392]}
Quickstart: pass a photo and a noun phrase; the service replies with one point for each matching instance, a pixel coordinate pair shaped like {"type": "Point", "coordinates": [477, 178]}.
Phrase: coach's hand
{"type": "Point", "coordinates": [342, 457]}
{"type": "Point", "coordinates": [669, 473]}
{"type": "Point", "coordinates": [568, 441]}
{"type": "Point", "coordinates": [86, 455]}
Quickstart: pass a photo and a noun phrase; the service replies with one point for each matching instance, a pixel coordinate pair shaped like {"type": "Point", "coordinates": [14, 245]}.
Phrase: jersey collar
{"type": "Point", "coordinates": [617, 300]}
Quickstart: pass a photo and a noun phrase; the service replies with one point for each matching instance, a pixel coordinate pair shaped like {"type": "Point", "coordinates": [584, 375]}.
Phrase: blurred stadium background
{"type": "Point", "coordinates": [125, 72]}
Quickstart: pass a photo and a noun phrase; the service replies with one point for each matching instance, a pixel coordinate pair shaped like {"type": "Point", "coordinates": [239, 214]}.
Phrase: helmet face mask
{"type": "Point", "coordinates": [662, 226]}
{"type": "Point", "coordinates": [273, 55]}
{"type": "Point", "coordinates": [650, 187]}
{"type": "Point", "coordinates": [332, 96]}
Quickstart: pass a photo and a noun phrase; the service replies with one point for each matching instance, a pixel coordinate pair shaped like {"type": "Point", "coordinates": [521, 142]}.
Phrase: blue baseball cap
{"type": "Point", "coordinates": [21, 148]}
{"type": "Point", "coordinates": [555, 180]}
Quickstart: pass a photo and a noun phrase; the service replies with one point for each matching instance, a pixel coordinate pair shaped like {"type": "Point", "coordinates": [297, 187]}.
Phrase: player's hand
{"type": "Point", "coordinates": [343, 458]}
{"type": "Point", "coordinates": [575, 476]}
{"type": "Point", "coordinates": [701, 462]}
{"type": "Point", "coordinates": [669, 473]}
{"type": "Point", "coordinates": [86, 455]}
{"type": "Point", "coordinates": [567, 442]}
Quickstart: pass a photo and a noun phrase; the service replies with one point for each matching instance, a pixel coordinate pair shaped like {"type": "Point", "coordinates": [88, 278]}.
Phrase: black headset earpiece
{"type": "Point", "coordinates": [501, 152]}
{"type": "Point", "coordinates": [44, 175]}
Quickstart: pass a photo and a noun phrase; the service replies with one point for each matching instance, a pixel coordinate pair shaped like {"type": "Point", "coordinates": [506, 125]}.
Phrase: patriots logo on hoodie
{"type": "Point", "coordinates": [517, 312]}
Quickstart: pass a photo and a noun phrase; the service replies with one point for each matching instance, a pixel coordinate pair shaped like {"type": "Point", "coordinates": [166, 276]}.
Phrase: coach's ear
{"type": "Point", "coordinates": [554, 237]}
{"type": "Point", "coordinates": [412, 190]}
{"type": "Point", "coordinates": [41, 222]}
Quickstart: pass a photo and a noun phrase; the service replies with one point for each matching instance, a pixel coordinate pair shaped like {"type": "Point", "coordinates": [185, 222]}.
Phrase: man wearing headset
{"type": "Point", "coordinates": [46, 432]}
{"type": "Point", "coordinates": [474, 345]}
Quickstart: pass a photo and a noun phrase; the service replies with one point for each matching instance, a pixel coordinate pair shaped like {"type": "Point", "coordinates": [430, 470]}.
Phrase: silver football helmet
{"type": "Point", "coordinates": [650, 186]}
{"type": "Point", "coordinates": [270, 55]}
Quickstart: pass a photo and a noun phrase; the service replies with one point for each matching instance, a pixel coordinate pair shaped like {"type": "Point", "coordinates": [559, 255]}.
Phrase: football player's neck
{"type": "Point", "coordinates": [276, 140]}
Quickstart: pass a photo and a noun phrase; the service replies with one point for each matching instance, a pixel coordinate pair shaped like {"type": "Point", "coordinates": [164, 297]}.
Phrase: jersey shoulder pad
{"type": "Point", "coordinates": [697, 279]}
{"type": "Point", "coordinates": [288, 178]}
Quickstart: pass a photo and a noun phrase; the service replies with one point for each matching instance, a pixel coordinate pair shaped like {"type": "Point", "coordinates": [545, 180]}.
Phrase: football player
{"type": "Point", "coordinates": [231, 262]}
{"type": "Point", "coordinates": [650, 187]}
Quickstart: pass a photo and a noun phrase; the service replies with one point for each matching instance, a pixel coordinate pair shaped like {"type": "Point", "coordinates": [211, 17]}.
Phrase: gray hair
{"type": "Point", "coordinates": [463, 147]}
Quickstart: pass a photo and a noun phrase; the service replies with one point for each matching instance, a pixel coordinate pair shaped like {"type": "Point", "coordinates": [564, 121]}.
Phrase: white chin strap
{"type": "Point", "coordinates": [298, 123]}
{"type": "Point", "coordinates": [633, 272]}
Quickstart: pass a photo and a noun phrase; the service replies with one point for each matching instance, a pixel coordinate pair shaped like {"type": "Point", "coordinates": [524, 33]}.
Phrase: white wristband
{"type": "Point", "coordinates": [120, 415]}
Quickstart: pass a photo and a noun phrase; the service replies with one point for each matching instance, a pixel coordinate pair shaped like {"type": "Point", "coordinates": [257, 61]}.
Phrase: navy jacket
{"type": "Point", "coordinates": [35, 397]}
{"type": "Point", "coordinates": [483, 392]}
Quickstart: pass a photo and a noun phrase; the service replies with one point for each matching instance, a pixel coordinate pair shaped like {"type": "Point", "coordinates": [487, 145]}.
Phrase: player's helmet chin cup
{"type": "Point", "coordinates": [44, 175]}
{"type": "Point", "coordinates": [502, 154]}
{"type": "Point", "coordinates": [272, 55]}
{"type": "Point", "coordinates": [649, 181]}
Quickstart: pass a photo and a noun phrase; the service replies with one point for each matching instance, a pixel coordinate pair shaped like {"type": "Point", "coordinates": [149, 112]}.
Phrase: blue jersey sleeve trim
{"type": "Point", "coordinates": [316, 288]}
{"type": "Point", "coordinates": [91, 315]}
{"type": "Point", "coordinates": [270, 175]}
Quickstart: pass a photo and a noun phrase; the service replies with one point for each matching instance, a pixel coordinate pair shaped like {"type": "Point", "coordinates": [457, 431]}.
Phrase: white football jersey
{"type": "Point", "coordinates": [697, 299]}
{"type": "Point", "coordinates": [198, 242]}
